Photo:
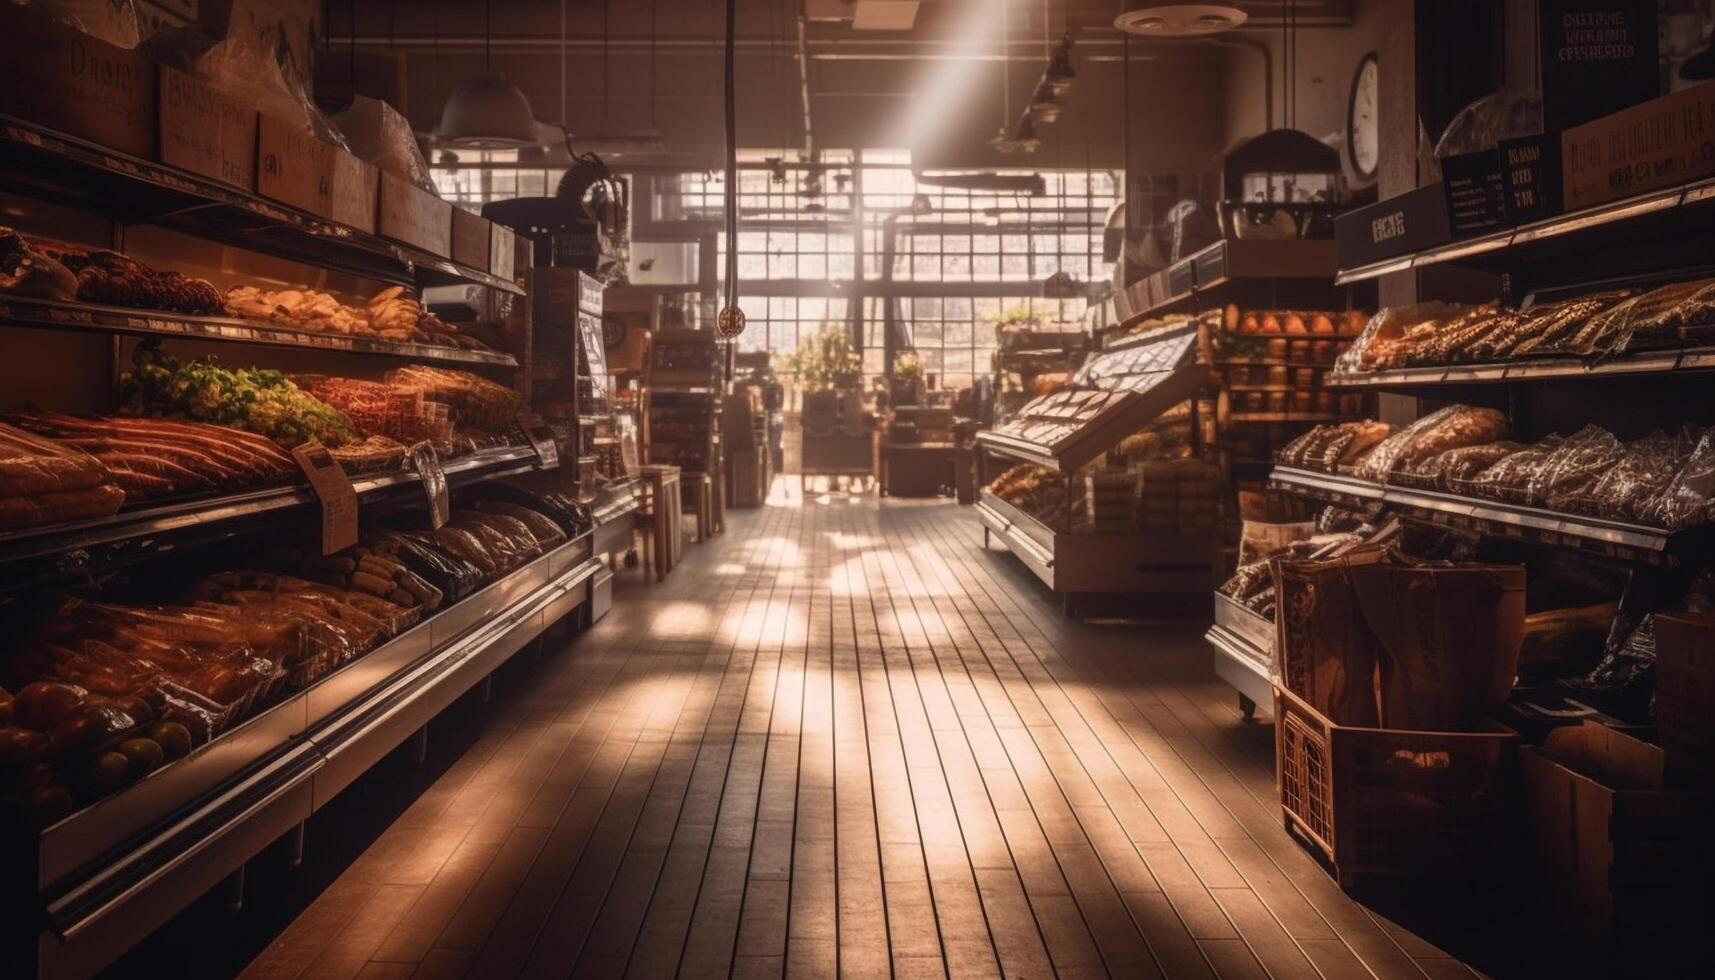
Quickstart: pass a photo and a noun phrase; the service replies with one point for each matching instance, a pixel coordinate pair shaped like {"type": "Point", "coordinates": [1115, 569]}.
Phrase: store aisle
{"type": "Point", "coordinates": [842, 739]}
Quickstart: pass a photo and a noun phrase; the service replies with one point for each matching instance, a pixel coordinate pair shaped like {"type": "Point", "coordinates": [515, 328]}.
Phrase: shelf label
{"type": "Point", "coordinates": [541, 439]}
{"type": "Point", "coordinates": [427, 464]}
{"type": "Point", "coordinates": [334, 490]}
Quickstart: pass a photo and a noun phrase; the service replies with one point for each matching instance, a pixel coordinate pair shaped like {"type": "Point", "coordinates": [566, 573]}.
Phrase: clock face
{"type": "Point", "coordinates": [1362, 139]}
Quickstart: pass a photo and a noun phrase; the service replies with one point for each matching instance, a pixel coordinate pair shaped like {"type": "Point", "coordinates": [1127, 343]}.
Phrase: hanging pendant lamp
{"type": "Point", "coordinates": [487, 112]}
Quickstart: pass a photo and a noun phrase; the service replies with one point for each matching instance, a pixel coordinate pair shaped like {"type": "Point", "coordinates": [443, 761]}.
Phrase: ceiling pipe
{"type": "Point", "coordinates": [804, 89]}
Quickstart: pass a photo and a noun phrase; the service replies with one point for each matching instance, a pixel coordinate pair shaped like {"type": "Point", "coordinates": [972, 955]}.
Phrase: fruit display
{"type": "Point", "coordinates": [259, 400]}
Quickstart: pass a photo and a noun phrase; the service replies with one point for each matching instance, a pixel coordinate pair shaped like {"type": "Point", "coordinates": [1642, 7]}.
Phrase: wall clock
{"type": "Point", "coordinates": [1363, 145]}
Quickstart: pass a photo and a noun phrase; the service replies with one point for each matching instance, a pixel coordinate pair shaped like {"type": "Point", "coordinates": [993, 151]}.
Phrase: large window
{"type": "Point", "coordinates": [861, 240]}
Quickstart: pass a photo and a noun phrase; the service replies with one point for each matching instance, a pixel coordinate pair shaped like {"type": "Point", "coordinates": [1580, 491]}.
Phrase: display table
{"type": "Point", "coordinates": [921, 469]}
{"type": "Point", "coordinates": [661, 518]}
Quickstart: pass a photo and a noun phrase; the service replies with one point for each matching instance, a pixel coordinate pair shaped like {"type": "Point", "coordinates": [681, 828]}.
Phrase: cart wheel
{"type": "Point", "coordinates": [1247, 707]}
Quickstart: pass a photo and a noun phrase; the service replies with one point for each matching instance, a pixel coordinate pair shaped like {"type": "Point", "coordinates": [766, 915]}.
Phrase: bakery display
{"type": "Point", "coordinates": [109, 690]}
{"type": "Point", "coordinates": [1660, 480]}
{"type": "Point", "coordinates": [112, 279]}
{"type": "Point", "coordinates": [1592, 326]}
{"type": "Point", "coordinates": [151, 458]}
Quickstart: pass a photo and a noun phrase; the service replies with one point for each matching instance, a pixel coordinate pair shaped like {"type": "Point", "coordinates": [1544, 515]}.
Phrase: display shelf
{"type": "Point", "coordinates": [1096, 563]}
{"type": "Point", "coordinates": [35, 555]}
{"type": "Point", "coordinates": [1266, 417]}
{"type": "Point", "coordinates": [1120, 391]}
{"type": "Point", "coordinates": [1614, 225]}
{"type": "Point", "coordinates": [49, 315]}
{"type": "Point", "coordinates": [1542, 369]}
{"type": "Point", "coordinates": [1220, 271]}
{"type": "Point", "coordinates": [132, 190]}
{"type": "Point", "coordinates": [1615, 539]}
{"type": "Point", "coordinates": [1244, 652]}
{"type": "Point", "coordinates": [111, 873]}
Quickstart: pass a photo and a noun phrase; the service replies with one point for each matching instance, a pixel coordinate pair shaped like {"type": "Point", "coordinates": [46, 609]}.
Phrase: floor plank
{"type": "Point", "coordinates": [844, 740]}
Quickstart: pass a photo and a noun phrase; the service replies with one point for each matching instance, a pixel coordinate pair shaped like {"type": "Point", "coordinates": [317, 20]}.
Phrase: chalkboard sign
{"type": "Point", "coordinates": [1597, 57]}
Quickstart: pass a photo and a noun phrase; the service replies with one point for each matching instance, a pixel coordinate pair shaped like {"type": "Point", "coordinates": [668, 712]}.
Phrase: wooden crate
{"type": "Point", "coordinates": [1376, 801]}
{"type": "Point", "coordinates": [1621, 864]}
{"type": "Point", "coordinates": [746, 478]}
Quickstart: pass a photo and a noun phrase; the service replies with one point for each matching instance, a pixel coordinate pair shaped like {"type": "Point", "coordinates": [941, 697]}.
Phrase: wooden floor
{"type": "Point", "coordinates": [842, 739]}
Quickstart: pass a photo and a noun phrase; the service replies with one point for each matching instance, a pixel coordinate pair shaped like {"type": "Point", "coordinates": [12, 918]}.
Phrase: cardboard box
{"type": "Point", "coordinates": [66, 80]}
{"type": "Point", "coordinates": [356, 191]}
{"type": "Point", "coordinates": [293, 167]}
{"type": "Point", "coordinates": [504, 249]}
{"type": "Point", "coordinates": [1685, 698]}
{"type": "Point", "coordinates": [206, 130]}
{"type": "Point", "coordinates": [1619, 859]}
{"type": "Point", "coordinates": [415, 217]}
{"type": "Point", "coordinates": [1663, 142]}
{"type": "Point", "coordinates": [472, 239]}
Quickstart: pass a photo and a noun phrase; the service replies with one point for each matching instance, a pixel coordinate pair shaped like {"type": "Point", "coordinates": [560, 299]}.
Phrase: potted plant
{"type": "Point", "coordinates": [907, 378]}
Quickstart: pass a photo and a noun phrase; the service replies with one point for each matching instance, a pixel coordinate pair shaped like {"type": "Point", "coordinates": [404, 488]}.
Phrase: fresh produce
{"type": "Point", "coordinates": [259, 400]}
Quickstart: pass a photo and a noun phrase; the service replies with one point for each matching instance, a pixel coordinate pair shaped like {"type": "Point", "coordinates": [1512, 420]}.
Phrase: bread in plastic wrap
{"type": "Point", "coordinates": [1448, 428]}
{"type": "Point", "coordinates": [1630, 487]}
{"type": "Point", "coordinates": [378, 133]}
{"type": "Point", "coordinates": [1442, 470]}
{"type": "Point", "coordinates": [1509, 479]}
{"type": "Point", "coordinates": [1689, 498]}
{"type": "Point", "coordinates": [1506, 114]}
{"type": "Point", "coordinates": [1572, 469]}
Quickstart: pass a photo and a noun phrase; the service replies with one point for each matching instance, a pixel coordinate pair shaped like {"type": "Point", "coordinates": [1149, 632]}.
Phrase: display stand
{"type": "Point", "coordinates": [80, 891]}
{"type": "Point", "coordinates": [1111, 397]}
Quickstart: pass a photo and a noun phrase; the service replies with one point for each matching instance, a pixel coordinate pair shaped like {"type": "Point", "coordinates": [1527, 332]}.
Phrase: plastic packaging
{"type": "Point", "coordinates": [1509, 478]}
{"type": "Point", "coordinates": [378, 133]}
{"type": "Point", "coordinates": [1689, 498]}
{"type": "Point", "coordinates": [1633, 483]}
{"type": "Point", "coordinates": [113, 21]}
{"type": "Point", "coordinates": [1503, 115]}
{"type": "Point", "coordinates": [1441, 471]}
{"type": "Point", "coordinates": [1574, 468]}
{"type": "Point", "coordinates": [1448, 428]}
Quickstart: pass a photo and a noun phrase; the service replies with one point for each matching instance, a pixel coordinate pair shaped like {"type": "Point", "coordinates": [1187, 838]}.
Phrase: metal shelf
{"type": "Point", "coordinates": [1559, 368]}
{"type": "Point", "coordinates": [1616, 220]}
{"type": "Point", "coordinates": [1614, 539]}
{"type": "Point", "coordinates": [45, 163]}
{"type": "Point", "coordinates": [37, 554]}
{"type": "Point", "coordinates": [1244, 650]}
{"type": "Point", "coordinates": [1210, 275]}
{"type": "Point", "coordinates": [49, 315]}
{"type": "Point", "coordinates": [1261, 417]}
{"type": "Point", "coordinates": [114, 871]}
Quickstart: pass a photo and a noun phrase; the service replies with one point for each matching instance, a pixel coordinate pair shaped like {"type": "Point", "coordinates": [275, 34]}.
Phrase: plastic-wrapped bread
{"type": "Point", "coordinates": [1448, 428]}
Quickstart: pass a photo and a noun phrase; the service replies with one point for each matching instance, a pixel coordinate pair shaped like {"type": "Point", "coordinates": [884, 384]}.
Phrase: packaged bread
{"type": "Point", "coordinates": [1448, 428]}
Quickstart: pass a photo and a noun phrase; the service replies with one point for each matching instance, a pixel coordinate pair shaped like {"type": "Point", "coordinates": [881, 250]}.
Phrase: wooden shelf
{"type": "Point", "coordinates": [132, 190]}
{"type": "Point", "coordinates": [48, 315]}
{"type": "Point", "coordinates": [1613, 225]}
{"type": "Point", "coordinates": [1615, 539]}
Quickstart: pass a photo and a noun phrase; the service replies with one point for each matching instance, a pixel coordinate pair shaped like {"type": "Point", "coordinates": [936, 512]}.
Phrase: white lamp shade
{"type": "Point", "coordinates": [487, 112]}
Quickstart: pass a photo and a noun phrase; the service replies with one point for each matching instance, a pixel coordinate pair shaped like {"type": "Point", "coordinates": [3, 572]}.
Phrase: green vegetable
{"type": "Point", "coordinates": [260, 400]}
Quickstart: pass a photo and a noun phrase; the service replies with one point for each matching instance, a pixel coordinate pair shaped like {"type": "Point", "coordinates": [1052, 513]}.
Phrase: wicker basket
{"type": "Point", "coordinates": [1379, 801]}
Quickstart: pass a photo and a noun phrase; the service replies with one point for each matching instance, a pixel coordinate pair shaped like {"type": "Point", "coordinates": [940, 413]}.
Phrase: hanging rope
{"type": "Point", "coordinates": [730, 322]}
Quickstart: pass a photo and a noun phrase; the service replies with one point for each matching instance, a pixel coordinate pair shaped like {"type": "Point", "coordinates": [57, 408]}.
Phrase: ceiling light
{"type": "Point", "coordinates": [1060, 75]}
{"type": "Point", "coordinates": [487, 113]}
{"type": "Point", "coordinates": [1180, 19]}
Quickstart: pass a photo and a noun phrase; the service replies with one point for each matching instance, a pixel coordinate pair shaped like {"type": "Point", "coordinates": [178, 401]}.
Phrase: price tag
{"type": "Point", "coordinates": [541, 439]}
{"type": "Point", "coordinates": [428, 466]}
{"type": "Point", "coordinates": [333, 488]}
